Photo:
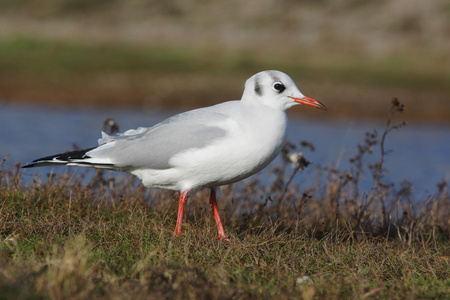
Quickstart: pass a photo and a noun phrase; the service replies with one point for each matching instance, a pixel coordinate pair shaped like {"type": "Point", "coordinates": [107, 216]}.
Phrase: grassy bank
{"type": "Point", "coordinates": [64, 72]}
{"type": "Point", "coordinates": [64, 247]}
{"type": "Point", "coordinates": [109, 238]}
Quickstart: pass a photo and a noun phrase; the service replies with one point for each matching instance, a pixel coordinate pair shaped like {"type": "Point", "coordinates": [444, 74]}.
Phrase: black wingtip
{"type": "Point", "coordinates": [28, 166]}
{"type": "Point", "coordinates": [61, 158]}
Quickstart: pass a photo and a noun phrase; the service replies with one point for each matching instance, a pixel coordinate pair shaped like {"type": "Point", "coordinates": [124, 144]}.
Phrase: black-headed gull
{"type": "Point", "coordinates": [201, 148]}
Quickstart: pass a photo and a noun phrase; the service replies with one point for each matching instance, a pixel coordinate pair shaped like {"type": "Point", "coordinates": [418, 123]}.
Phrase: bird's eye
{"type": "Point", "coordinates": [279, 87]}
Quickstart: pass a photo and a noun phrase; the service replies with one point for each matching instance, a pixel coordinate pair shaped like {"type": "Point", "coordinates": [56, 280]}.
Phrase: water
{"type": "Point", "coordinates": [420, 152]}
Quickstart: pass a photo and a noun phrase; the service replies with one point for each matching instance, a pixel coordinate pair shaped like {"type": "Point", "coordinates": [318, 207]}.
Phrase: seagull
{"type": "Point", "coordinates": [201, 148]}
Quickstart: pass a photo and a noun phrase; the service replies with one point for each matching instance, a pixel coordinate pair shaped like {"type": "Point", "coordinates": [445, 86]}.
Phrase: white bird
{"type": "Point", "coordinates": [201, 148]}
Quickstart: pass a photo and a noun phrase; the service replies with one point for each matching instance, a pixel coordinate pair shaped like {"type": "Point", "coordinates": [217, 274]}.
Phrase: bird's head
{"type": "Point", "coordinates": [277, 90]}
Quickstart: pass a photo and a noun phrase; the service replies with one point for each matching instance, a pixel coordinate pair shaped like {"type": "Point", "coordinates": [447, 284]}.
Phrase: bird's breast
{"type": "Point", "coordinates": [249, 146]}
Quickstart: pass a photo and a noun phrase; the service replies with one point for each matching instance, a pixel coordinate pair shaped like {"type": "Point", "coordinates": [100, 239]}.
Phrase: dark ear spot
{"type": "Point", "coordinates": [258, 89]}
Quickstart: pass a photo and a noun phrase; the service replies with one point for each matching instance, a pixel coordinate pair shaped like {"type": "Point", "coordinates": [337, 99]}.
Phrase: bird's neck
{"type": "Point", "coordinates": [270, 121]}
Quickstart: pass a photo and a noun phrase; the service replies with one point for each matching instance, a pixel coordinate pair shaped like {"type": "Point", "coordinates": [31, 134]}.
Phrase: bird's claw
{"type": "Point", "coordinates": [224, 239]}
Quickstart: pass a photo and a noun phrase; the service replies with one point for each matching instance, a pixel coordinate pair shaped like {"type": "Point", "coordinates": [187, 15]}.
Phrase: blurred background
{"type": "Point", "coordinates": [355, 55]}
{"type": "Point", "coordinates": [104, 57]}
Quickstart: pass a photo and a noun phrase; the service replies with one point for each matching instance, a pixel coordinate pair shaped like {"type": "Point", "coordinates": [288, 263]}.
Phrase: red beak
{"type": "Point", "coordinates": [310, 102]}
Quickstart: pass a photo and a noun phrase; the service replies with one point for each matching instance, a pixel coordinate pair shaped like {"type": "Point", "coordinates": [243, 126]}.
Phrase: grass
{"type": "Point", "coordinates": [111, 238]}
{"type": "Point", "coordinates": [65, 57]}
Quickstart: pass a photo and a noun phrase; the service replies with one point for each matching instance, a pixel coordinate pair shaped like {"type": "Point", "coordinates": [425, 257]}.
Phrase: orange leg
{"type": "Point", "coordinates": [212, 201]}
{"type": "Point", "coordinates": [181, 203]}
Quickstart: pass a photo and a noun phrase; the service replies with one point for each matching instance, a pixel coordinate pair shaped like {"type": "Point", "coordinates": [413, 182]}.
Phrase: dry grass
{"type": "Point", "coordinates": [376, 27]}
{"type": "Point", "coordinates": [112, 239]}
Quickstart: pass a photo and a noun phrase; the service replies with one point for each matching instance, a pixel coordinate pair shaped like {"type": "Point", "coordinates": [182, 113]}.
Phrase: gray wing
{"type": "Point", "coordinates": [154, 147]}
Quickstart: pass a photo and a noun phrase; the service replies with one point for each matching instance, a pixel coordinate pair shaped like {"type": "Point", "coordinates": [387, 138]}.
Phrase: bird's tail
{"type": "Point", "coordinates": [72, 158]}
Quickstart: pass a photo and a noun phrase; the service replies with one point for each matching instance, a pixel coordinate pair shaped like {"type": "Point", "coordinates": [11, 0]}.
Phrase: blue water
{"type": "Point", "coordinates": [420, 152]}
